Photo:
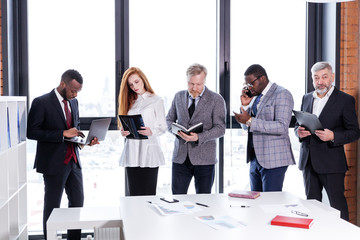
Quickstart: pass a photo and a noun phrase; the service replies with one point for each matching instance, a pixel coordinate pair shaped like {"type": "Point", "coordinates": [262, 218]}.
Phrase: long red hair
{"type": "Point", "coordinates": [127, 97]}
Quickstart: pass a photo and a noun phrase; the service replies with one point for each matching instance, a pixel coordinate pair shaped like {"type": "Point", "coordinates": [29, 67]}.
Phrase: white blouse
{"type": "Point", "coordinates": [146, 152]}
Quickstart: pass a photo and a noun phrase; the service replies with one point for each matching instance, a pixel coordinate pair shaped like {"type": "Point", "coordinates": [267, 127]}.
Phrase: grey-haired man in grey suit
{"type": "Point", "coordinates": [267, 120]}
{"type": "Point", "coordinates": [194, 155]}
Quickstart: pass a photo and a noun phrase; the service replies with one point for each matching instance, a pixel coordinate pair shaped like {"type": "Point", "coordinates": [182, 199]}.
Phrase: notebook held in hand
{"type": "Point", "coordinates": [175, 127]}
{"type": "Point", "coordinates": [308, 120]}
{"type": "Point", "coordinates": [133, 124]}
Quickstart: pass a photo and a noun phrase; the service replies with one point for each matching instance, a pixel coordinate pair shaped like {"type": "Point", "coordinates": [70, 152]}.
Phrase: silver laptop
{"type": "Point", "coordinates": [98, 128]}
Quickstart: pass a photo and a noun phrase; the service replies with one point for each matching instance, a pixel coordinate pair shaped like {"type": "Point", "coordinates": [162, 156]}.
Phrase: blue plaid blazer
{"type": "Point", "coordinates": [270, 129]}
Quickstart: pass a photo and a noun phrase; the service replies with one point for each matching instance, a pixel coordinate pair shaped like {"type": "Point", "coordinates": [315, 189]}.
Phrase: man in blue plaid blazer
{"type": "Point", "coordinates": [266, 115]}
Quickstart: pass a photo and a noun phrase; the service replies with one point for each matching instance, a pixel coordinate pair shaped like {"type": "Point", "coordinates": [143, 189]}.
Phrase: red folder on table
{"type": "Point", "coordinates": [244, 194]}
{"type": "Point", "coordinates": [292, 221]}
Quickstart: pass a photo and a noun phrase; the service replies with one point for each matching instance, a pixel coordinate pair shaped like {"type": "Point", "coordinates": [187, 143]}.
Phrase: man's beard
{"type": "Point", "coordinates": [194, 94]}
{"type": "Point", "coordinates": [63, 93]}
{"type": "Point", "coordinates": [322, 91]}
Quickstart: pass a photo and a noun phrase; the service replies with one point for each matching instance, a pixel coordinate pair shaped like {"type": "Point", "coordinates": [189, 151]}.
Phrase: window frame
{"type": "Point", "coordinates": [15, 48]}
{"type": "Point", "coordinates": [15, 53]}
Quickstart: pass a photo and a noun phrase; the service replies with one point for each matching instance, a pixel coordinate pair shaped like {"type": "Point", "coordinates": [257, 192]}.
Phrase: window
{"type": "Point", "coordinates": [168, 39]}
{"type": "Point", "coordinates": [68, 36]}
{"type": "Point", "coordinates": [272, 34]}
{"type": "Point", "coordinates": [165, 38]}
{"type": "Point", "coordinates": [65, 34]}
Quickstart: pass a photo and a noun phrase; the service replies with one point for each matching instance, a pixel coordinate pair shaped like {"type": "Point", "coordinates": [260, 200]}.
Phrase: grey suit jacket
{"type": "Point", "coordinates": [211, 111]}
{"type": "Point", "coordinates": [270, 129]}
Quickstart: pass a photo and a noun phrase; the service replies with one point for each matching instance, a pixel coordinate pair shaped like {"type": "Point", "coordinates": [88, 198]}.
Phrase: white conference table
{"type": "Point", "coordinates": [142, 221]}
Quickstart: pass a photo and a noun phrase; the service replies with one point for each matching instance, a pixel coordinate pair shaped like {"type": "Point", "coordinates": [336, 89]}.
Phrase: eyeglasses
{"type": "Point", "coordinates": [251, 84]}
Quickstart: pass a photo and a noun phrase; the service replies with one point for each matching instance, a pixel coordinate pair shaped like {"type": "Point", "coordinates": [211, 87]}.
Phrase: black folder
{"type": "Point", "coordinates": [133, 123]}
{"type": "Point", "coordinates": [308, 120]}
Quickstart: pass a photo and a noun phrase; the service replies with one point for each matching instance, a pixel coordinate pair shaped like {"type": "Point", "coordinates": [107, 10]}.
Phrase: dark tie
{"type": "Point", "coordinates": [254, 107]}
{"type": "Point", "coordinates": [251, 151]}
{"type": "Point", "coordinates": [192, 107]}
{"type": "Point", "coordinates": [70, 149]}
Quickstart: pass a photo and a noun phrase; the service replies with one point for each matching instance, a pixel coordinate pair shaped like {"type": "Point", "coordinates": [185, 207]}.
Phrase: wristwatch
{"type": "Point", "coordinates": [248, 122]}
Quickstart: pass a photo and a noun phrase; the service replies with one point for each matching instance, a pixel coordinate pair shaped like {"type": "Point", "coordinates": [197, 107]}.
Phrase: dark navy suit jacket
{"type": "Point", "coordinates": [46, 123]}
{"type": "Point", "coordinates": [338, 116]}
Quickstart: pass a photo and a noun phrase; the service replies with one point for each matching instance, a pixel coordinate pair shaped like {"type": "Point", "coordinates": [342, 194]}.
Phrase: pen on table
{"type": "Point", "coordinates": [300, 213]}
{"type": "Point", "coordinates": [291, 205]}
{"type": "Point", "coordinates": [242, 206]}
{"type": "Point", "coordinates": [201, 204]}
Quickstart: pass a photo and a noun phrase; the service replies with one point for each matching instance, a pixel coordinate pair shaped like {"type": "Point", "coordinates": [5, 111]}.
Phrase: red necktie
{"type": "Point", "coordinates": [70, 149]}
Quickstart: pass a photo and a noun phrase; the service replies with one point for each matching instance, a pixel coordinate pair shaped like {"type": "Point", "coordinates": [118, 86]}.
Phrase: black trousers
{"type": "Point", "coordinates": [333, 184]}
{"type": "Point", "coordinates": [69, 178]}
{"type": "Point", "coordinates": [141, 181]}
{"type": "Point", "coordinates": [182, 174]}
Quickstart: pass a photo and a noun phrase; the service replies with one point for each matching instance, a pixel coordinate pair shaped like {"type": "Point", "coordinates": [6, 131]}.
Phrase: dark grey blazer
{"type": "Point", "coordinates": [338, 116]}
{"type": "Point", "coordinates": [211, 111]}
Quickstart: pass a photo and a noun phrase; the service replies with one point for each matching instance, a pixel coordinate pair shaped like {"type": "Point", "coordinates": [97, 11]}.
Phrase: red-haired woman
{"type": "Point", "coordinates": [141, 158]}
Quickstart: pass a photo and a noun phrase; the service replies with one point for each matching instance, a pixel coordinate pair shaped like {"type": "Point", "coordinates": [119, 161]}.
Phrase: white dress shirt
{"type": "Point", "coordinates": [60, 98]}
{"type": "Point", "coordinates": [319, 103]}
{"type": "Point", "coordinates": [146, 152]}
{"type": "Point", "coordinates": [197, 99]}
